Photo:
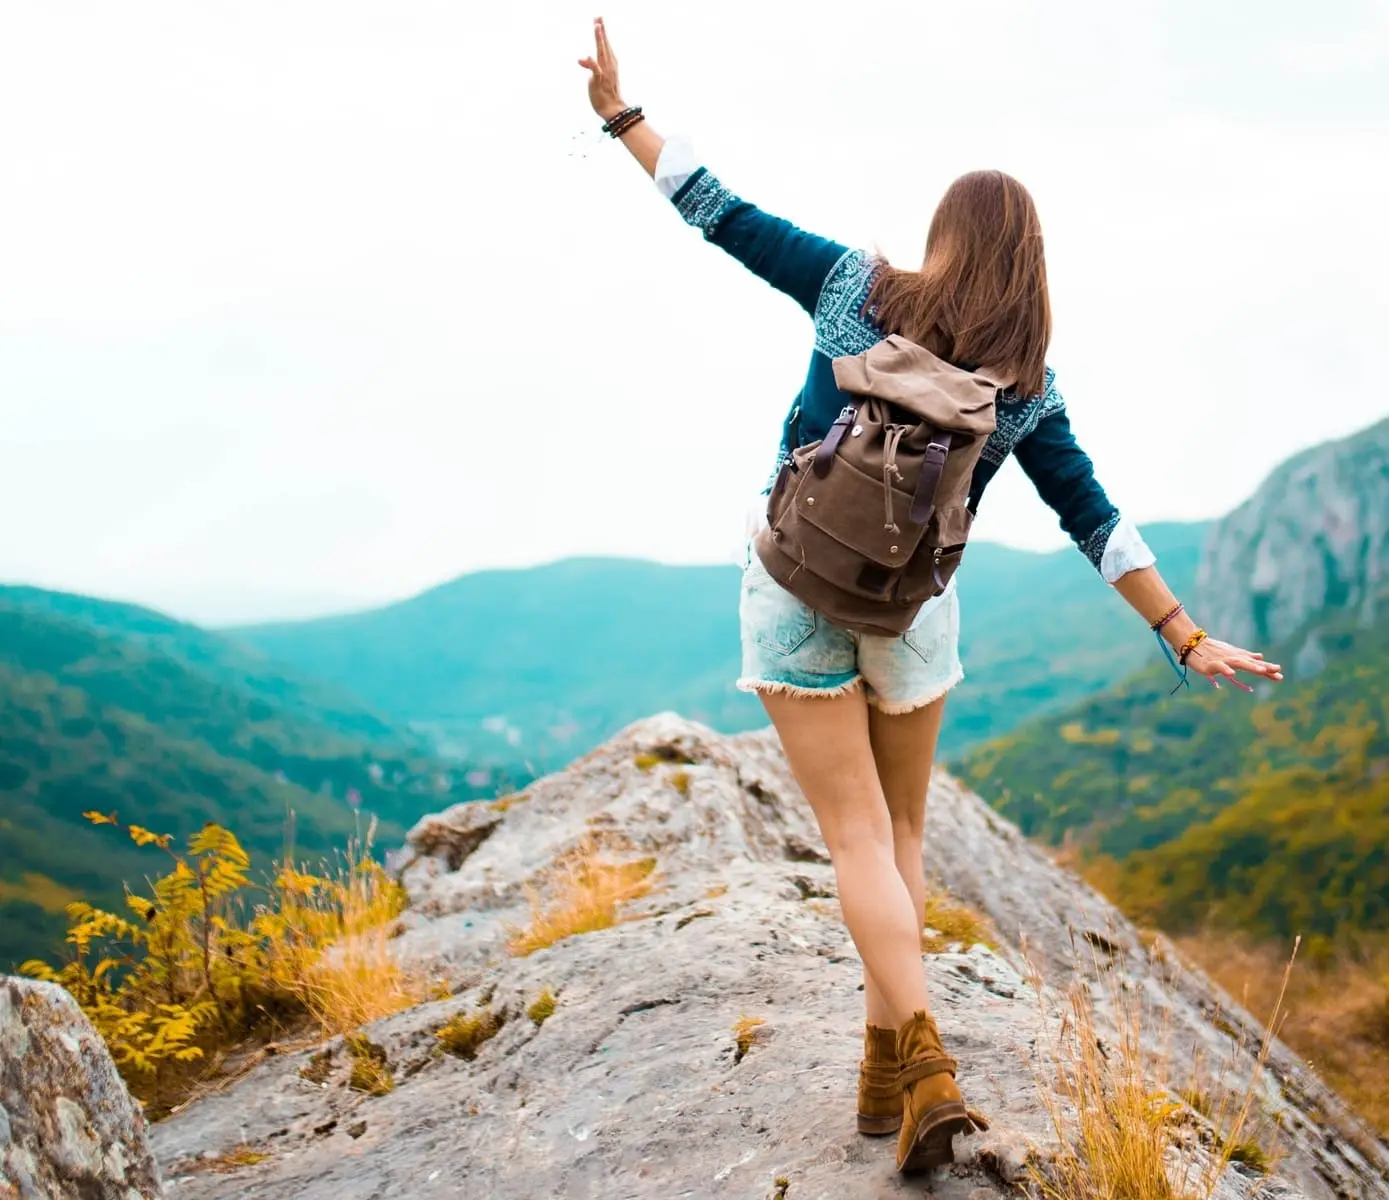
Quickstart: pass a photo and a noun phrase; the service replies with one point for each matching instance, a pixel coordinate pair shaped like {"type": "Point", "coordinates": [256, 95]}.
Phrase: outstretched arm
{"type": "Point", "coordinates": [1152, 600]}
{"type": "Point", "coordinates": [605, 94]}
{"type": "Point", "coordinates": [793, 261]}
{"type": "Point", "coordinates": [1065, 479]}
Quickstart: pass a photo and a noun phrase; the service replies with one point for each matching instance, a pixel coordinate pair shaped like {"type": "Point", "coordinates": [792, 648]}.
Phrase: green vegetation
{"type": "Point", "coordinates": [196, 970]}
{"type": "Point", "coordinates": [640, 638]}
{"type": "Point", "coordinates": [112, 709]}
{"type": "Point", "coordinates": [1265, 813]}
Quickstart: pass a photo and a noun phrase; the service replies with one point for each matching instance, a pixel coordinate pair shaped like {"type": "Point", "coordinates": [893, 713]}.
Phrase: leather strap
{"type": "Point", "coordinates": [924, 502]}
{"type": "Point", "coordinates": [922, 1068]}
{"type": "Point", "coordinates": [879, 1081]}
{"type": "Point", "coordinates": [824, 456]}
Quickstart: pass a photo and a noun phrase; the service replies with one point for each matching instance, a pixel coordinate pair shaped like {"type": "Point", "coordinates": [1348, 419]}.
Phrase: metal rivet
{"type": "Point", "coordinates": [810, 500]}
{"type": "Point", "coordinates": [892, 549]}
{"type": "Point", "coordinates": [858, 429]}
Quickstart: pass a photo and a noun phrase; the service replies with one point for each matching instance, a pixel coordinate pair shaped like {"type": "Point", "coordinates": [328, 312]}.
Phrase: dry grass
{"type": "Point", "coordinates": [543, 1008]}
{"type": "Point", "coordinates": [358, 979]}
{"type": "Point", "coordinates": [1338, 1015]}
{"type": "Point", "coordinates": [371, 1073]}
{"type": "Point", "coordinates": [745, 1035]}
{"type": "Point", "coordinates": [946, 923]}
{"type": "Point", "coordinates": [587, 892]}
{"type": "Point", "coordinates": [1114, 1106]}
{"type": "Point", "coordinates": [233, 1160]}
{"type": "Point", "coordinates": [466, 1034]}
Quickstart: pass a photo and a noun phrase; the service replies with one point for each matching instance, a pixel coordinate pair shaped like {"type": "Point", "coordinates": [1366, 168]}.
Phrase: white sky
{"type": "Point", "coordinates": [307, 305]}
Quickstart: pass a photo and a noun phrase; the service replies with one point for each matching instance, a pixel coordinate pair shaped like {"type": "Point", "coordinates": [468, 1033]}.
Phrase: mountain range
{"type": "Point", "coordinates": [536, 666]}
{"type": "Point", "coordinates": [112, 708]}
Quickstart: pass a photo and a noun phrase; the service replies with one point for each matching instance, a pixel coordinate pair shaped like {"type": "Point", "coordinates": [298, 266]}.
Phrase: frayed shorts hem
{"type": "Point", "coordinates": [775, 687]}
{"type": "Point", "coordinates": [890, 708]}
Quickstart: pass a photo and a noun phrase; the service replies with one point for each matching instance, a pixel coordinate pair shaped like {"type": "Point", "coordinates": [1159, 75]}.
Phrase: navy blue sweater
{"type": "Point", "coordinates": [831, 282]}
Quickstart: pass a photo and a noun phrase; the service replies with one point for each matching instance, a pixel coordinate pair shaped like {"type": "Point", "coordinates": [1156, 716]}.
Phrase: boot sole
{"type": "Point", "coordinates": [932, 1145]}
{"type": "Point", "coordinates": [879, 1126]}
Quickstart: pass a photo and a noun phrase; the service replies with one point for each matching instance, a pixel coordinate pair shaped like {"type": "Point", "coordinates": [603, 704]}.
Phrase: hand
{"type": "Point", "coordinates": [603, 91]}
{"type": "Point", "coordinates": [1219, 660]}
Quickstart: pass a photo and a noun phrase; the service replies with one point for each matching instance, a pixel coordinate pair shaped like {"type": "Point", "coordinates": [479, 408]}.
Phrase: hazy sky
{"type": "Point", "coordinates": [309, 304]}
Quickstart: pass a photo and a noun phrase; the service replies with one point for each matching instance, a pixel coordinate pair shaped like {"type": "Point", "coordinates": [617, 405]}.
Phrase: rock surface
{"type": "Point", "coordinates": [637, 1087]}
{"type": "Point", "coordinates": [1312, 541]}
{"type": "Point", "coordinates": [68, 1127]}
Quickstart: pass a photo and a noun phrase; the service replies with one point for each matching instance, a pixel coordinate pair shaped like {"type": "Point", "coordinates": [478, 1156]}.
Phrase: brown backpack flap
{"type": "Point", "coordinates": [870, 522]}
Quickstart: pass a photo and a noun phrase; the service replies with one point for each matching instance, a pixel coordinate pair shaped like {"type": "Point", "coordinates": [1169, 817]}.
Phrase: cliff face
{"type": "Point", "coordinates": [1311, 543]}
{"type": "Point", "coordinates": [637, 1086]}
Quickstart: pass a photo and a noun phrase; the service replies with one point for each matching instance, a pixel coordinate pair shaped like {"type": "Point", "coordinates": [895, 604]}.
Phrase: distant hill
{"type": "Point", "coordinates": [1267, 814]}
{"type": "Point", "coordinates": [113, 708]}
{"type": "Point", "coordinates": [538, 665]}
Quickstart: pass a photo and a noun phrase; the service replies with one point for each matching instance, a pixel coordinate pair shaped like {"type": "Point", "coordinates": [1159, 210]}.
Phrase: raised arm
{"type": "Point", "coordinates": [605, 94]}
{"type": "Point", "coordinates": [1065, 478]}
{"type": "Point", "coordinates": [790, 259]}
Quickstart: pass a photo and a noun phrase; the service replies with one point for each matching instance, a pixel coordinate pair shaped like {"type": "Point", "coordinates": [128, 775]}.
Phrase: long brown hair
{"type": "Point", "coordinates": [980, 297]}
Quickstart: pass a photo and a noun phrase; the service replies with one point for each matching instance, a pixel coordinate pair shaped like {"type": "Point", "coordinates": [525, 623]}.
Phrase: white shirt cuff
{"type": "Point", "coordinates": [1124, 552]}
{"type": "Point", "coordinates": [677, 162]}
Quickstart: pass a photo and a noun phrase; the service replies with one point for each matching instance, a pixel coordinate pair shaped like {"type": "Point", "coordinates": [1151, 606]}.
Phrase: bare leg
{"type": "Point", "coordinates": [904, 749]}
{"type": "Point", "coordinates": [827, 744]}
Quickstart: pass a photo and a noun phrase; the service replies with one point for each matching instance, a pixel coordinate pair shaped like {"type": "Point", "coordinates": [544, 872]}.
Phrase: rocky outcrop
{"type": "Point", "coordinates": [68, 1127]}
{"type": "Point", "coordinates": [1312, 542]}
{"type": "Point", "coordinates": [639, 1084]}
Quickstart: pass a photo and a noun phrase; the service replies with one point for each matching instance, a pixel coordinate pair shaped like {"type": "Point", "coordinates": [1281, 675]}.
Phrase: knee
{"type": "Point", "coordinates": [859, 837]}
{"type": "Point", "coordinates": [908, 827]}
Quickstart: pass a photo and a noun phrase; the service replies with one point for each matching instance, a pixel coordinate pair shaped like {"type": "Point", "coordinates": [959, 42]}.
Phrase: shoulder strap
{"type": "Point", "coordinates": [824, 456]}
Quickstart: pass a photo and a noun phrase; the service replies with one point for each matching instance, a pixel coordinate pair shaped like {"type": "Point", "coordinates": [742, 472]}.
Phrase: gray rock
{"type": "Point", "coordinates": [1312, 541]}
{"type": "Point", "coordinates": [635, 1087]}
{"type": "Point", "coordinates": [68, 1126]}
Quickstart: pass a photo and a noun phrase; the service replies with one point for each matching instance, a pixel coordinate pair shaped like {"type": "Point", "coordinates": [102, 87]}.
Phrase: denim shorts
{"type": "Point", "coordinates": [791, 649]}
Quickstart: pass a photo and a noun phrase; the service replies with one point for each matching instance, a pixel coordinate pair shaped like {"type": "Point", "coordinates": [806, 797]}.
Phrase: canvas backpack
{"type": "Point", "coordinates": [867, 524]}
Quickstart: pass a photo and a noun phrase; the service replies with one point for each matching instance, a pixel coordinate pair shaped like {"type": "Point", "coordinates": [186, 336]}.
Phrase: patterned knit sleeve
{"type": "Point", "coordinates": [788, 258]}
{"type": "Point", "coordinates": [1064, 477]}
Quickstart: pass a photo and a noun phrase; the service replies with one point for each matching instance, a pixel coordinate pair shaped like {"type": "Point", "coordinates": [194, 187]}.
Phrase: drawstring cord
{"type": "Point", "coordinates": [891, 471]}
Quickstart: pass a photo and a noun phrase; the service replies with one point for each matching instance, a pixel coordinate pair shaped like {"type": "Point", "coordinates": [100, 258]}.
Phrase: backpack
{"type": "Point", "coordinates": [867, 524]}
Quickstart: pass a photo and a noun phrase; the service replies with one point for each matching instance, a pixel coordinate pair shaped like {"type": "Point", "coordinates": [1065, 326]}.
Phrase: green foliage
{"type": "Point", "coordinates": [1268, 813]}
{"type": "Point", "coordinates": [201, 964]}
{"type": "Point", "coordinates": [110, 708]}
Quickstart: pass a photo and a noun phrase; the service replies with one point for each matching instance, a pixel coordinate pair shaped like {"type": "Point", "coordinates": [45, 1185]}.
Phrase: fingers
{"type": "Point", "coordinates": [605, 52]}
{"type": "Point", "coordinates": [589, 64]}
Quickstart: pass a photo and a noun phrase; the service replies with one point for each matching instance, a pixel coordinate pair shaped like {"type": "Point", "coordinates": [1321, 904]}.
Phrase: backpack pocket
{"type": "Point", "coordinates": [852, 529]}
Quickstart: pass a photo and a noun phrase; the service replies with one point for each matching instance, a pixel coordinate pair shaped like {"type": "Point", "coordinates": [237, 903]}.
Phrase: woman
{"type": "Point", "coordinates": [857, 714]}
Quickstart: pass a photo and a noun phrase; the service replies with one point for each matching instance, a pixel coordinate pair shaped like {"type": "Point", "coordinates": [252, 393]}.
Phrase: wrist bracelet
{"type": "Point", "coordinates": [1166, 617]}
{"type": "Point", "coordinates": [627, 125]}
{"type": "Point", "coordinates": [1189, 645]}
{"type": "Point", "coordinates": [615, 126]}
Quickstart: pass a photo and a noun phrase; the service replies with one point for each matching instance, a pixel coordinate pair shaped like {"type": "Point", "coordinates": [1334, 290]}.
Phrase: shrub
{"type": "Point", "coordinates": [207, 957]}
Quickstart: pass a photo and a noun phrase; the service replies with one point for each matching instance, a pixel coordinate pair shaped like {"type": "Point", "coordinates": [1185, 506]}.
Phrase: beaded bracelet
{"type": "Point", "coordinates": [628, 125]}
{"type": "Point", "coordinates": [1189, 645]}
{"type": "Point", "coordinates": [1166, 617]}
{"type": "Point", "coordinates": [624, 121]}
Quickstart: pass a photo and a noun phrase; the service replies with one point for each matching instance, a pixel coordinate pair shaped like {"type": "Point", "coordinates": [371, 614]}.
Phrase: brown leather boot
{"type": "Point", "coordinates": [879, 1092]}
{"type": "Point", "coordinates": [932, 1108]}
